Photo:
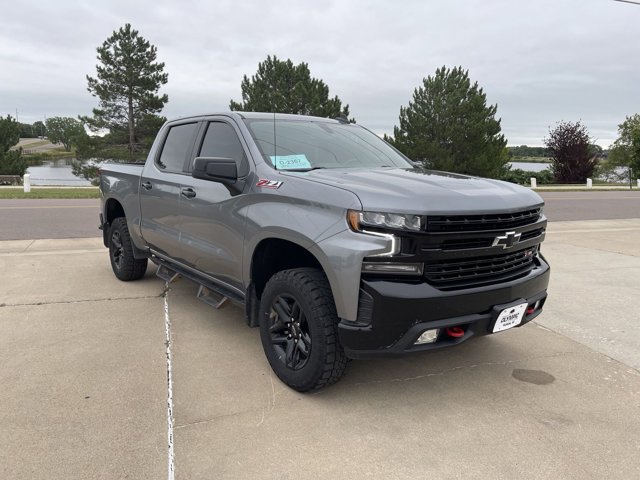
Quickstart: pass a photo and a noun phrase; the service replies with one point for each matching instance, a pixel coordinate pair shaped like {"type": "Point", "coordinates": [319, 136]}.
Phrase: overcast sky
{"type": "Point", "coordinates": [540, 61]}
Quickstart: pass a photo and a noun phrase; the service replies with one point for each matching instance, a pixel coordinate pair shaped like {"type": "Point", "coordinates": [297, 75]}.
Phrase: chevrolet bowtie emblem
{"type": "Point", "coordinates": [508, 240]}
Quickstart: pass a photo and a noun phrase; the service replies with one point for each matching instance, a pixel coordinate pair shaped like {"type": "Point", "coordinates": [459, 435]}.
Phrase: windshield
{"type": "Point", "coordinates": [305, 145]}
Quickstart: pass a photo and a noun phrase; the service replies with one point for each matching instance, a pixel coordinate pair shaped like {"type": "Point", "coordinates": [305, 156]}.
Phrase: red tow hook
{"type": "Point", "coordinates": [455, 332]}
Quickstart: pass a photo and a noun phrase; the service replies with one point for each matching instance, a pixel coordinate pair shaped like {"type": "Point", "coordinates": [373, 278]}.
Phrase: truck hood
{"type": "Point", "coordinates": [426, 191]}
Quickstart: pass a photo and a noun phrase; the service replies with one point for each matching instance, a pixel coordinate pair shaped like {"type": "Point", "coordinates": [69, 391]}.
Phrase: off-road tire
{"type": "Point", "coordinates": [125, 266]}
{"type": "Point", "coordinates": [326, 360]}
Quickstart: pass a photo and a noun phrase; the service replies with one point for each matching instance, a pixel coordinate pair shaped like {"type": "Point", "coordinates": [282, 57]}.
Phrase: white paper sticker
{"type": "Point", "coordinates": [287, 162]}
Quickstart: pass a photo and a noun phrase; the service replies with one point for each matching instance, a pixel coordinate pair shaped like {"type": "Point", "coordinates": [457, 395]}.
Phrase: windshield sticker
{"type": "Point", "coordinates": [265, 183]}
{"type": "Point", "coordinates": [287, 162]}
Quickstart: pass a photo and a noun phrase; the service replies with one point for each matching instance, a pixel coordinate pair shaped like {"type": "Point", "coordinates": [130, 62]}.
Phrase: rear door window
{"type": "Point", "coordinates": [177, 146]}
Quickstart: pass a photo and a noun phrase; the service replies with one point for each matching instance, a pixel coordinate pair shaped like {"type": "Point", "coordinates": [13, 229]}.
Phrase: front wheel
{"type": "Point", "coordinates": [298, 328]}
{"type": "Point", "coordinates": [125, 266]}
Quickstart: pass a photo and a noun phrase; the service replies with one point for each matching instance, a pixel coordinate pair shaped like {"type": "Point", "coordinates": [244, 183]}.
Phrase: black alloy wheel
{"type": "Point", "coordinates": [124, 264]}
{"type": "Point", "coordinates": [117, 251]}
{"type": "Point", "coordinates": [289, 332]}
{"type": "Point", "coordinates": [299, 329]}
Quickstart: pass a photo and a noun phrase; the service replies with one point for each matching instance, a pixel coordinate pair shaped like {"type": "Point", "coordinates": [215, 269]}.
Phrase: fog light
{"type": "Point", "coordinates": [428, 336]}
{"type": "Point", "coordinates": [392, 268]}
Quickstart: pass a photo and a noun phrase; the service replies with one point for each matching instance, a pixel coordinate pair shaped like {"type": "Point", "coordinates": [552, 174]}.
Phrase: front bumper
{"type": "Point", "coordinates": [398, 312]}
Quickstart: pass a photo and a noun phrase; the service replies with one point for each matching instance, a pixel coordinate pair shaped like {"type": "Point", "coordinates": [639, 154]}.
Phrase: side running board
{"type": "Point", "coordinates": [210, 293]}
{"type": "Point", "coordinates": [166, 274]}
{"type": "Point", "coordinates": [208, 296]}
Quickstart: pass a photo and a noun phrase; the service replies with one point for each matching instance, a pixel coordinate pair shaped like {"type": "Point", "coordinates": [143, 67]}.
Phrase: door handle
{"type": "Point", "coordinates": [146, 185]}
{"type": "Point", "coordinates": [188, 192]}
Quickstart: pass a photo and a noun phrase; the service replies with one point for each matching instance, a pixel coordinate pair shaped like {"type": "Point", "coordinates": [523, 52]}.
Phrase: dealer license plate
{"type": "Point", "coordinates": [510, 317]}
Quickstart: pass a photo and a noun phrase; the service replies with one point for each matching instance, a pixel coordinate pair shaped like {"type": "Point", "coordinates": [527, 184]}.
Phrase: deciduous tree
{"type": "Point", "coordinates": [573, 159]}
{"type": "Point", "coordinates": [64, 130]}
{"type": "Point", "coordinates": [282, 87]}
{"type": "Point", "coordinates": [625, 151]}
{"type": "Point", "coordinates": [449, 126]}
{"type": "Point", "coordinates": [39, 129]}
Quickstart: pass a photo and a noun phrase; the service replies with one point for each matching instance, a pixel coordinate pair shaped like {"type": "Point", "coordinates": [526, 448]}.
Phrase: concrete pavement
{"type": "Point", "coordinates": [554, 399]}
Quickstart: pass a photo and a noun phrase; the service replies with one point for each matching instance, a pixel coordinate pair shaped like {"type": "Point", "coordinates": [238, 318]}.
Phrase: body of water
{"type": "Point", "coordinates": [529, 166]}
{"type": "Point", "coordinates": [56, 172]}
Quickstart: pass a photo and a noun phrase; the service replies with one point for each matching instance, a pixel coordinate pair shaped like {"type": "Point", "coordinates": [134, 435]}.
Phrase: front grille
{"type": "Point", "coordinates": [453, 274]}
{"type": "Point", "coordinates": [464, 243]}
{"type": "Point", "coordinates": [497, 221]}
{"type": "Point", "coordinates": [531, 234]}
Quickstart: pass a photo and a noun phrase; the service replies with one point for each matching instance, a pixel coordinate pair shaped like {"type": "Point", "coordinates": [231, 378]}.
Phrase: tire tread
{"type": "Point", "coordinates": [132, 268]}
{"type": "Point", "coordinates": [314, 284]}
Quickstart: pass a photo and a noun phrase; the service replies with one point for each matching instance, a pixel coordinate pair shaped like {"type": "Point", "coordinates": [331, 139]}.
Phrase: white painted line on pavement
{"type": "Point", "coordinates": [592, 230]}
{"type": "Point", "coordinates": [50, 252]}
{"type": "Point", "coordinates": [167, 331]}
{"type": "Point", "coordinates": [42, 207]}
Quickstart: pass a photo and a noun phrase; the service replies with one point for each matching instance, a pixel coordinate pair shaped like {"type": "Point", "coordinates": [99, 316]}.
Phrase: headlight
{"type": "Point", "coordinates": [392, 221]}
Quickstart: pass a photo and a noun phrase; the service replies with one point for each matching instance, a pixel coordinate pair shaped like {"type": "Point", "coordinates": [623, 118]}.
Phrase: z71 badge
{"type": "Point", "coordinates": [264, 183]}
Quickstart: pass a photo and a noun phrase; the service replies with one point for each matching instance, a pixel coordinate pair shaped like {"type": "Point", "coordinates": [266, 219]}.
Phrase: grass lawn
{"type": "Point", "coordinates": [45, 192]}
{"type": "Point", "coordinates": [53, 154]}
{"type": "Point", "coordinates": [33, 143]}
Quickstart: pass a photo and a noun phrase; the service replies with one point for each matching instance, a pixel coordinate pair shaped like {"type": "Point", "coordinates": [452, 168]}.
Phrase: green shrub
{"type": "Point", "coordinates": [523, 177]}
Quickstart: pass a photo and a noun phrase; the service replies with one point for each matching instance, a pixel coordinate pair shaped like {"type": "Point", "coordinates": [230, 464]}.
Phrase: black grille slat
{"type": "Point", "coordinates": [480, 270]}
{"type": "Point", "coordinates": [498, 221]}
{"type": "Point", "coordinates": [531, 234]}
{"type": "Point", "coordinates": [460, 244]}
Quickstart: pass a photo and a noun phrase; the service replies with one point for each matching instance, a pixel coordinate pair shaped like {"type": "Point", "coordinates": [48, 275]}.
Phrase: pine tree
{"type": "Point", "coordinates": [449, 126]}
{"type": "Point", "coordinates": [127, 82]}
{"type": "Point", "coordinates": [11, 161]}
{"type": "Point", "coordinates": [282, 87]}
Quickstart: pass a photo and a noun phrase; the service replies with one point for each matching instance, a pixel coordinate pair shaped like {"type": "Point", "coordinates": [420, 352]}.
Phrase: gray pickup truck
{"type": "Point", "coordinates": [336, 244]}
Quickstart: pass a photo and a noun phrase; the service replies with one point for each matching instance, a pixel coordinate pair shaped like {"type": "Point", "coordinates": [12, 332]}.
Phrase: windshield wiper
{"type": "Point", "coordinates": [301, 169]}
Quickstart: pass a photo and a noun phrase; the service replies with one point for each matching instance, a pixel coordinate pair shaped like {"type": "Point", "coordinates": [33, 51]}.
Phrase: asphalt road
{"type": "Point", "coordinates": [611, 205]}
{"type": "Point", "coordinates": [38, 219]}
{"type": "Point", "coordinates": [50, 218]}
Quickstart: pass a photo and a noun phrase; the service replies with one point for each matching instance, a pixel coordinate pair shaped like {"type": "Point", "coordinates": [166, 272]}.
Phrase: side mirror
{"type": "Point", "coordinates": [217, 169]}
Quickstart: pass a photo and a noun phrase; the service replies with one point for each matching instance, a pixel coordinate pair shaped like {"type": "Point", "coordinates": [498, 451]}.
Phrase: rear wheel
{"type": "Point", "coordinates": [125, 266]}
{"type": "Point", "coordinates": [298, 328]}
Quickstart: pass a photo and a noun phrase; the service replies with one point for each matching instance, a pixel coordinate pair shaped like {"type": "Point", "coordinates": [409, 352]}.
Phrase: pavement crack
{"type": "Point", "coordinates": [69, 302]}
{"type": "Point", "coordinates": [272, 402]}
{"type": "Point", "coordinates": [598, 249]}
{"type": "Point", "coordinates": [213, 419]}
{"type": "Point", "coordinates": [28, 246]}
